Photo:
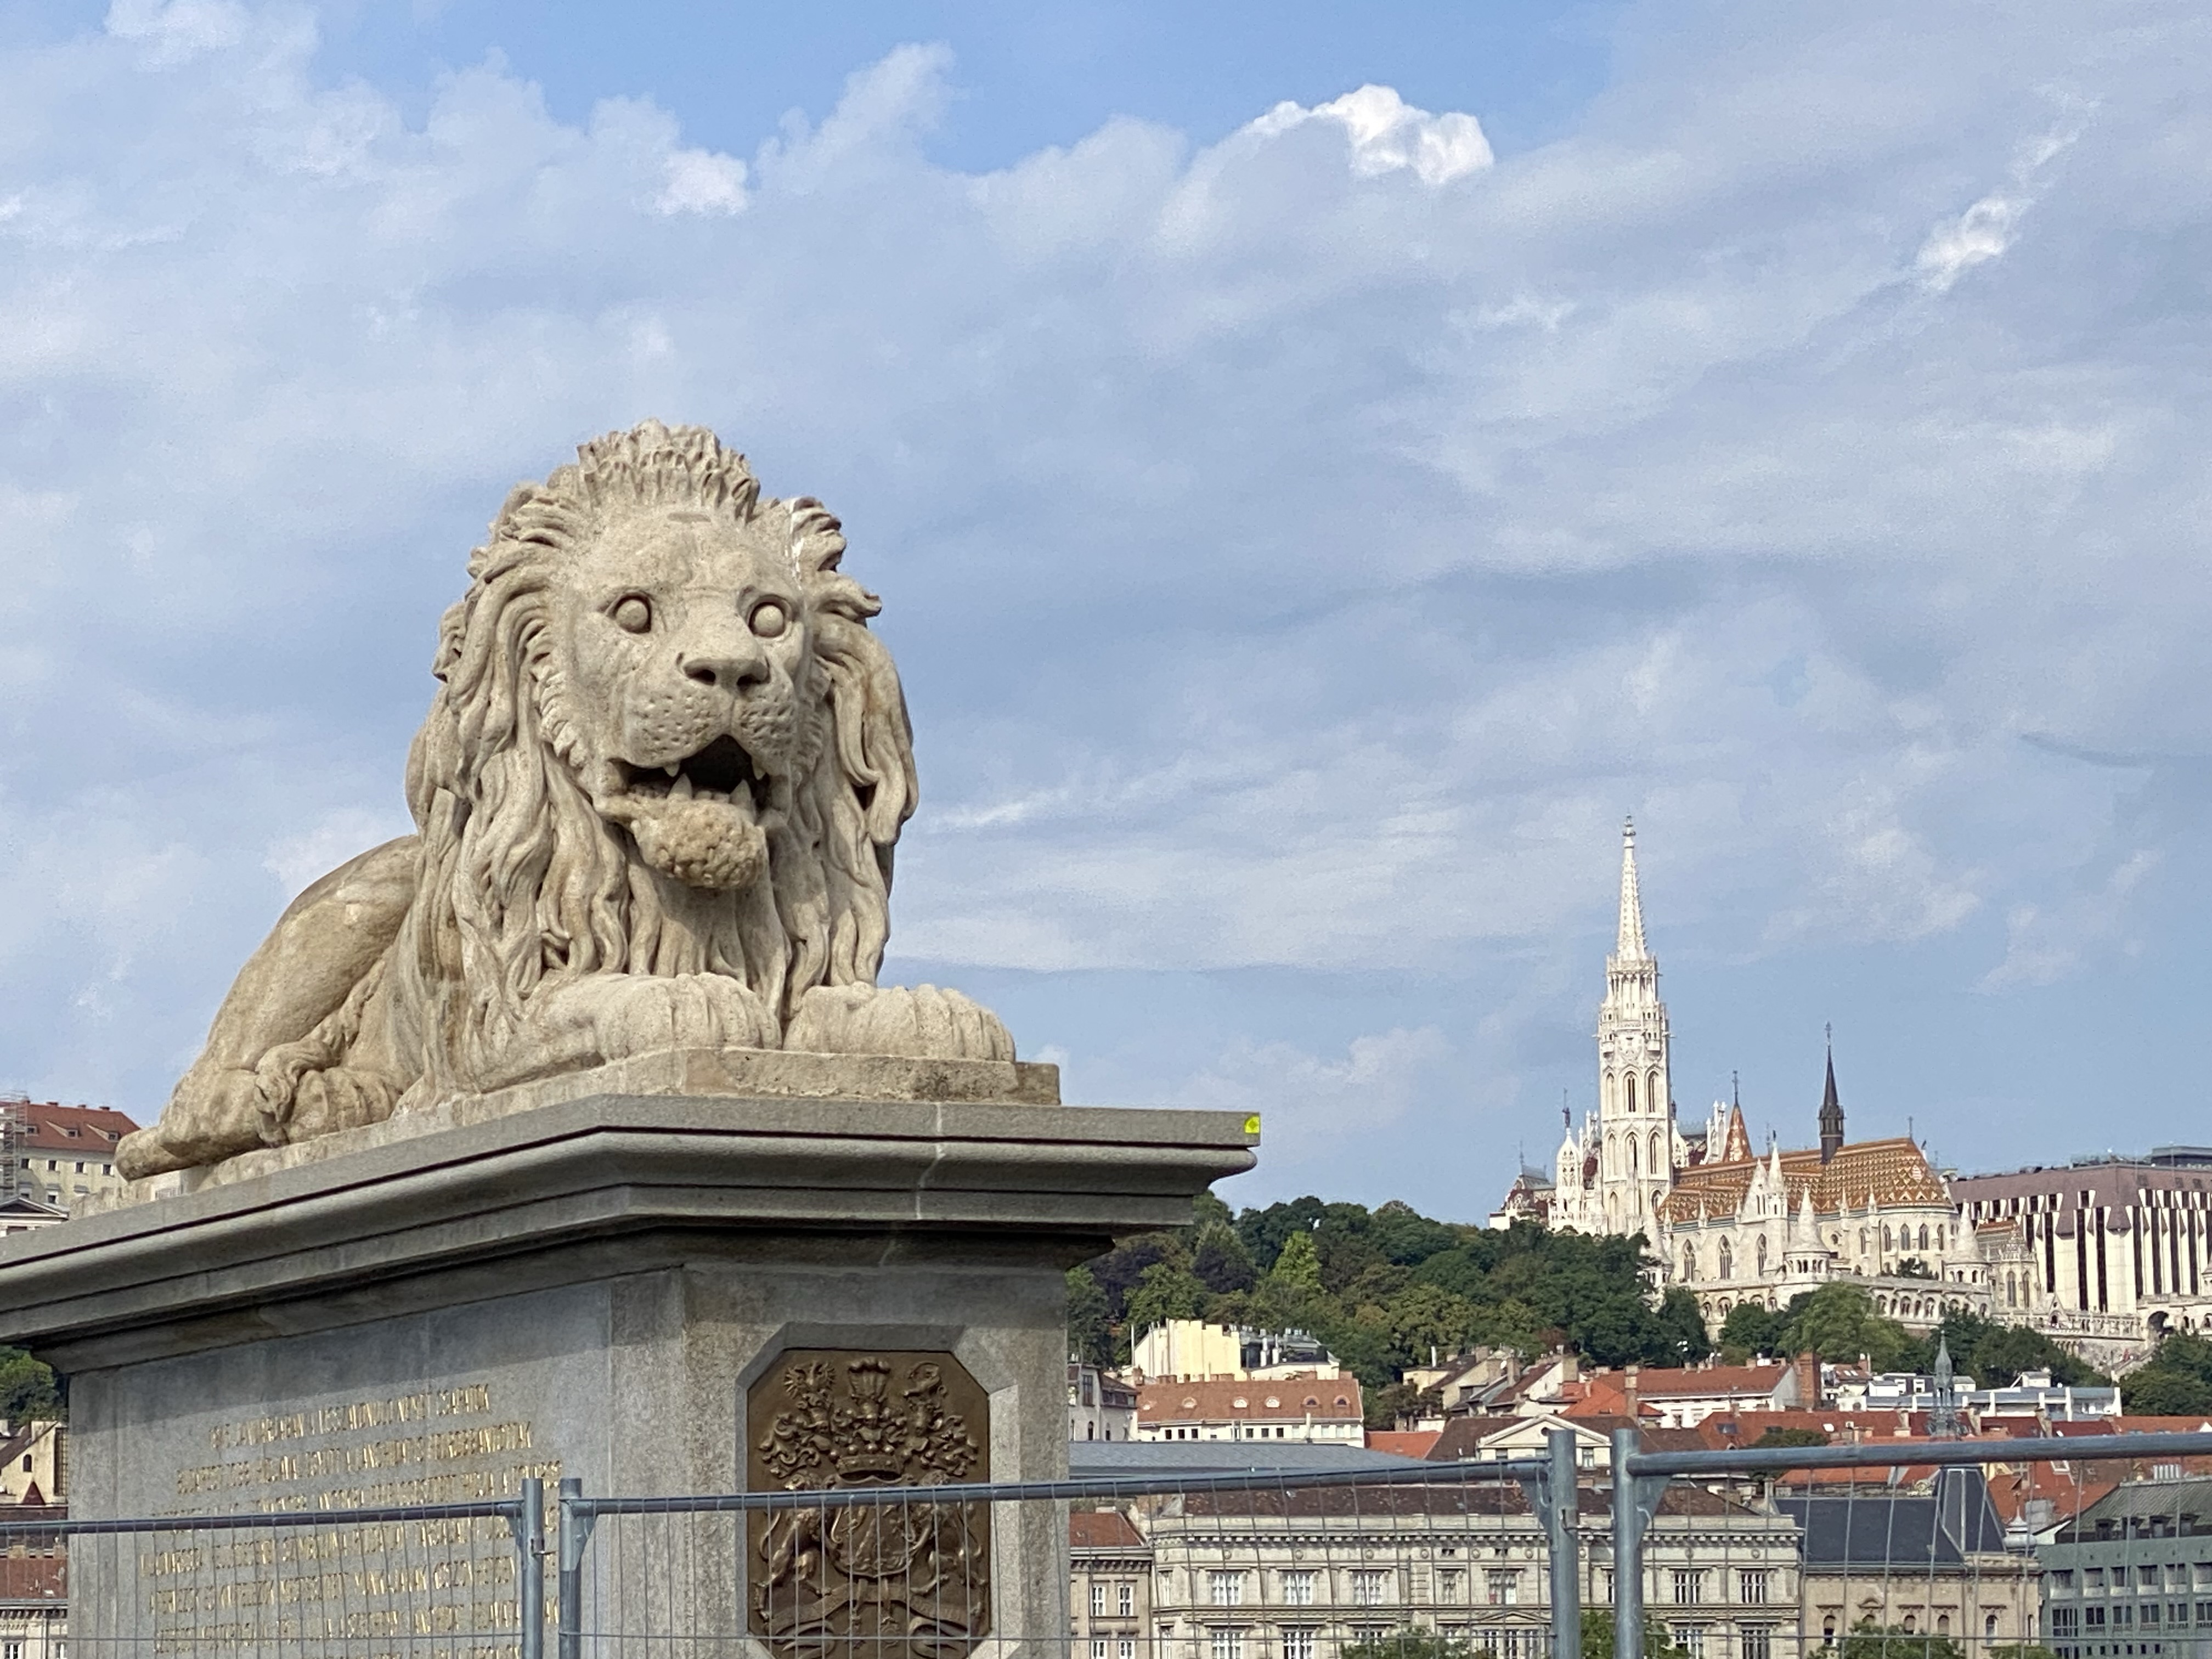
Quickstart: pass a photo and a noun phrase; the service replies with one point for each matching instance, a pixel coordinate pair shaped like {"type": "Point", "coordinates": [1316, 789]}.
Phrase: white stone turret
{"type": "Point", "coordinates": [1635, 1105]}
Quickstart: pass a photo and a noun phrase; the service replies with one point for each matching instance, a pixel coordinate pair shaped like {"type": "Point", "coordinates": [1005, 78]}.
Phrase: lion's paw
{"type": "Point", "coordinates": [627, 1014]}
{"type": "Point", "coordinates": [920, 1021]}
{"type": "Point", "coordinates": [215, 1111]}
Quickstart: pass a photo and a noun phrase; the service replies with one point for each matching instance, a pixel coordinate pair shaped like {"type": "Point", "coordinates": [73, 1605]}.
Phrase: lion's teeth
{"type": "Point", "coordinates": [681, 789]}
{"type": "Point", "coordinates": [673, 768]}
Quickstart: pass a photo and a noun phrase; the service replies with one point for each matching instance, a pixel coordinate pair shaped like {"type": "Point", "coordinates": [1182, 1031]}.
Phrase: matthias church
{"type": "Point", "coordinates": [1733, 1225]}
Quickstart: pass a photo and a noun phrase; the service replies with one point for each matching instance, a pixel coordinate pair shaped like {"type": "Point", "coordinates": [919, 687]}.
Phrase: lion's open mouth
{"type": "Point", "coordinates": [722, 771]}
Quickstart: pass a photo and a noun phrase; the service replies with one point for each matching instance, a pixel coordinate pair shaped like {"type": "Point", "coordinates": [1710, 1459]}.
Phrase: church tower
{"type": "Point", "coordinates": [1636, 1103]}
{"type": "Point", "coordinates": [1831, 1111]}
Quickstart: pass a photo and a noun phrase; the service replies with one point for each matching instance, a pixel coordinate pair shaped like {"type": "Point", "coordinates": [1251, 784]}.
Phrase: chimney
{"type": "Point", "coordinates": [1808, 1382]}
{"type": "Point", "coordinates": [1628, 1379]}
{"type": "Point", "coordinates": [1569, 1371]}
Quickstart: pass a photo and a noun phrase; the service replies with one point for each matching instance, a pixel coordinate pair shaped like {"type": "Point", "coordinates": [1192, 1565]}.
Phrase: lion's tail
{"type": "Point", "coordinates": [353, 1097]}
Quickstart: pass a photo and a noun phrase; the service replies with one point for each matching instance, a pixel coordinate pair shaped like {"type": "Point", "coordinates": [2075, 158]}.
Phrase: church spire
{"type": "Point", "coordinates": [1631, 947]}
{"type": "Point", "coordinates": [1831, 1108]}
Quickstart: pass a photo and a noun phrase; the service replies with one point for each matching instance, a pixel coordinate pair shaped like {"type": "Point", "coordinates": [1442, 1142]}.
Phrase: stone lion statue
{"type": "Point", "coordinates": [656, 803]}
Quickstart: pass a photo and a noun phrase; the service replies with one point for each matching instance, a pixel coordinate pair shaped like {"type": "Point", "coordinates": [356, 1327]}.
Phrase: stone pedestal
{"type": "Point", "coordinates": [597, 1287]}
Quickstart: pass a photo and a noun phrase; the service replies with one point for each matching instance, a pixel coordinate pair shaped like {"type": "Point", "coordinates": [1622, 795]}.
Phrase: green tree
{"type": "Point", "coordinates": [2175, 1381]}
{"type": "Point", "coordinates": [28, 1388]}
{"type": "Point", "coordinates": [1164, 1291]}
{"type": "Point", "coordinates": [1839, 1321]}
{"type": "Point", "coordinates": [1421, 1317]}
{"type": "Point", "coordinates": [1792, 1437]}
{"type": "Point", "coordinates": [1750, 1330]}
{"type": "Point", "coordinates": [1298, 1265]}
{"type": "Point", "coordinates": [1089, 1327]}
{"type": "Point", "coordinates": [1597, 1638]}
{"type": "Point", "coordinates": [1873, 1641]}
{"type": "Point", "coordinates": [1220, 1261]}
{"type": "Point", "coordinates": [1683, 1328]}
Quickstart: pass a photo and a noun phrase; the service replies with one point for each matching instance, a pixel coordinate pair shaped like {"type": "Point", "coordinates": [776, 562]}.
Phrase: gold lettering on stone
{"type": "Point", "coordinates": [351, 1588]}
{"type": "Point", "coordinates": [903, 1580]}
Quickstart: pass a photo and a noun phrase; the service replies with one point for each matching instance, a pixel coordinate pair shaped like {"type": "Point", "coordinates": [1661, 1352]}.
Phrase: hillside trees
{"type": "Point", "coordinates": [1385, 1289]}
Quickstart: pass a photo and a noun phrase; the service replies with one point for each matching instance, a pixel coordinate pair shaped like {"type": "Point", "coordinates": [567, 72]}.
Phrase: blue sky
{"type": "Point", "coordinates": [1324, 466]}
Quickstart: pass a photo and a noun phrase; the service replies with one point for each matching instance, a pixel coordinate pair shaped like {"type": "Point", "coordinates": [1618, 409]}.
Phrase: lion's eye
{"type": "Point", "coordinates": [770, 619]}
{"type": "Point", "coordinates": [633, 615]}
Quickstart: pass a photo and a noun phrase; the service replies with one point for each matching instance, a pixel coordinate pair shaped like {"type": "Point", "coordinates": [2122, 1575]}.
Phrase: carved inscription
{"type": "Point", "coordinates": [908, 1580]}
{"type": "Point", "coordinates": [433, 1590]}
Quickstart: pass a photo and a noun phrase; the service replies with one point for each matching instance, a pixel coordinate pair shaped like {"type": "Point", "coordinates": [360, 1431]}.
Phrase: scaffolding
{"type": "Point", "coordinates": [14, 1125]}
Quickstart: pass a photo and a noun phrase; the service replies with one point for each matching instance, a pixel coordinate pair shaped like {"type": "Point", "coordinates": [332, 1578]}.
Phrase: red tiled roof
{"type": "Point", "coordinates": [1102, 1529]}
{"type": "Point", "coordinates": [1291, 1398]}
{"type": "Point", "coordinates": [49, 1126]}
{"type": "Point", "coordinates": [1405, 1443]}
{"type": "Point", "coordinates": [1687, 1384]}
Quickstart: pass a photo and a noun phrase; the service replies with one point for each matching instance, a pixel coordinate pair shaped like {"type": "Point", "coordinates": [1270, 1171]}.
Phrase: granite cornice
{"type": "Point", "coordinates": [608, 1183]}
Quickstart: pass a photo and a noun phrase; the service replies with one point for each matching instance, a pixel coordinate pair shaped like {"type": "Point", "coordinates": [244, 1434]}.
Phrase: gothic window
{"type": "Point", "coordinates": [2012, 1292]}
{"type": "Point", "coordinates": [1762, 1256]}
{"type": "Point", "coordinates": [1690, 1262]}
{"type": "Point", "coordinates": [1632, 1140]}
{"type": "Point", "coordinates": [1924, 1235]}
{"type": "Point", "coordinates": [1658, 1153]}
{"type": "Point", "coordinates": [1631, 1091]}
{"type": "Point", "coordinates": [1863, 1241]}
{"type": "Point", "coordinates": [1886, 1241]}
{"type": "Point", "coordinates": [1939, 1238]}
{"type": "Point", "coordinates": [1728, 1260]}
{"type": "Point", "coordinates": [1652, 1097]}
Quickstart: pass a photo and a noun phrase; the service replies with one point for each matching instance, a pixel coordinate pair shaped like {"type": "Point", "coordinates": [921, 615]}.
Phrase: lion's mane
{"type": "Point", "coordinates": [525, 886]}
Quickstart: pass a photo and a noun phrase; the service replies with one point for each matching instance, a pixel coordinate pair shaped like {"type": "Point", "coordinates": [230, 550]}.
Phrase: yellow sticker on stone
{"type": "Point", "coordinates": [1252, 1124]}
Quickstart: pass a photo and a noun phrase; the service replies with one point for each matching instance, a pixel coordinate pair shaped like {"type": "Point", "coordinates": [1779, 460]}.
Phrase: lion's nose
{"type": "Point", "coordinates": [729, 668]}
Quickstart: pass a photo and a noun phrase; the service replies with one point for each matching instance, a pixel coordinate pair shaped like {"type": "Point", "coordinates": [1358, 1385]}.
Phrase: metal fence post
{"type": "Point", "coordinates": [1631, 1514]}
{"type": "Point", "coordinates": [1564, 1514]}
{"type": "Point", "coordinates": [530, 1534]}
{"type": "Point", "coordinates": [573, 1530]}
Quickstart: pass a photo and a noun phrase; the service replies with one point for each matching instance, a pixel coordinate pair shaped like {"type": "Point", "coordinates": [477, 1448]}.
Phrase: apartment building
{"type": "Point", "coordinates": [2132, 1574]}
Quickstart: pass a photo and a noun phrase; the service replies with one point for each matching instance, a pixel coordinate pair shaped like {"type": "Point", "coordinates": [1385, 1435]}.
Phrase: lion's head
{"type": "Point", "coordinates": [665, 743]}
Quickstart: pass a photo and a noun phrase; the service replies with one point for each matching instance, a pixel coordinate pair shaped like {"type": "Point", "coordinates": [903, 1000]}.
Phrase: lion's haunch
{"type": "Point", "coordinates": [702, 843]}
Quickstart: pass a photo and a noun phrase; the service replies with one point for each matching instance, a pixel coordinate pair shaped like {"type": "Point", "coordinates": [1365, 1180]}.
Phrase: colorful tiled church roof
{"type": "Point", "coordinates": [1889, 1172]}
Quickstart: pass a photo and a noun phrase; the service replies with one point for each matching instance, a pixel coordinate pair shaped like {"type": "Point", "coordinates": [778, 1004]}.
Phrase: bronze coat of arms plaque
{"type": "Point", "coordinates": [900, 1580]}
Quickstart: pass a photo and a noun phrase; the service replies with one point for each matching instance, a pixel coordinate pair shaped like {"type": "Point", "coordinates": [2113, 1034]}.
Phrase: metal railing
{"type": "Point", "coordinates": [1496, 1557]}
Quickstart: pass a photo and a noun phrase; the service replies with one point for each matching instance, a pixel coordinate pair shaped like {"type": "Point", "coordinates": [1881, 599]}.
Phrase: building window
{"type": "Point", "coordinates": [2147, 1577]}
{"type": "Point", "coordinates": [1224, 1641]}
{"type": "Point", "coordinates": [1298, 1643]}
{"type": "Point", "coordinates": [1126, 1648]}
{"type": "Point", "coordinates": [1100, 1649]}
{"type": "Point", "coordinates": [2203, 1570]}
{"type": "Point", "coordinates": [2149, 1613]}
{"type": "Point", "coordinates": [1750, 1585]}
{"type": "Point", "coordinates": [1989, 1626]}
{"type": "Point", "coordinates": [1690, 1638]}
{"type": "Point", "coordinates": [1297, 1589]}
{"type": "Point", "coordinates": [1451, 1585]}
{"type": "Point", "coordinates": [1224, 1589]}
{"type": "Point", "coordinates": [1125, 1598]}
{"type": "Point", "coordinates": [1827, 1632]}
{"type": "Point", "coordinates": [1367, 1587]}
{"type": "Point", "coordinates": [1758, 1642]}
{"type": "Point", "coordinates": [2092, 1579]}
{"type": "Point", "coordinates": [1689, 1587]}
{"type": "Point", "coordinates": [1726, 1261]}
{"type": "Point", "coordinates": [1098, 1600]}
{"type": "Point", "coordinates": [1502, 1588]}
{"type": "Point", "coordinates": [2204, 1613]}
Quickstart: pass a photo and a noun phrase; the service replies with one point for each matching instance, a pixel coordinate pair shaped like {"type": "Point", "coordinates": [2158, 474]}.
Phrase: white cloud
{"type": "Point", "coordinates": [701, 181]}
{"type": "Point", "coordinates": [1388, 134]}
{"type": "Point", "coordinates": [1302, 548]}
